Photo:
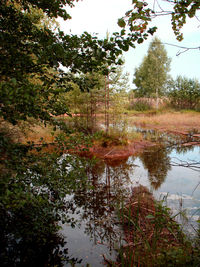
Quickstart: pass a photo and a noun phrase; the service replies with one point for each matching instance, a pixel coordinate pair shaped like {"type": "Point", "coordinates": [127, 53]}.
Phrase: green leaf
{"type": "Point", "coordinates": [140, 40]}
{"type": "Point", "coordinates": [121, 23]}
{"type": "Point", "coordinates": [150, 216]}
{"type": "Point", "coordinates": [14, 81]}
{"type": "Point", "coordinates": [123, 32]}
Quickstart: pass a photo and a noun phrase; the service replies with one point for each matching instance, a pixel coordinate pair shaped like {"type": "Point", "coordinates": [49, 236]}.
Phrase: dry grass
{"type": "Point", "coordinates": [39, 133]}
{"type": "Point", "coordinates": [169, 121]}
{"type": "Point", "coordinates": [150, 233]}
{"type": "Point", "coordinates": [28, 131]}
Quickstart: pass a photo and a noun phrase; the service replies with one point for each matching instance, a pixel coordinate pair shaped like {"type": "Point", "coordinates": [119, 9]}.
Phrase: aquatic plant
{"type": "Point", "coordinates": [153, 237]}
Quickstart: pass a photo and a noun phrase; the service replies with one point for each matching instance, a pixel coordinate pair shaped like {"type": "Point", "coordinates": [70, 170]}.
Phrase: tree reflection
{"type": "Point", "coordinates": [29, 253]}
{"type": "Point", "coordinates": [185, 148]}
{"type": "Point", "coordinates": [157, 162]}
{"type": "Point", "coordinates": [97, 204]}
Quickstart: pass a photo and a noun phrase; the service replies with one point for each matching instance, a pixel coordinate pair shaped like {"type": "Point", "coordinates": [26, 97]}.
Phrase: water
{"type": "Point", "coordinates": [179, 184]}
{"type": "Point", "coordinates": [98, 232]}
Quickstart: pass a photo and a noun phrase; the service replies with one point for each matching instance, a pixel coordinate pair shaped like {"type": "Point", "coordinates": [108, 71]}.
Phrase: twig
{"type": "Point", "coordinates": [109, 152]}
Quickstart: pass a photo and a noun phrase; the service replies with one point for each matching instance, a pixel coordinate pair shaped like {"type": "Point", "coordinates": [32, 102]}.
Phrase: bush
{"type": "Point", "coordinates": [140, 105]}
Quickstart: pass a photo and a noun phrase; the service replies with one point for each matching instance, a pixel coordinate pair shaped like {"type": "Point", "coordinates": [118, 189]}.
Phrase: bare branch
{"type": "Point", "coordinates": [182, 47]}
{"type": "Point", "coordinates": [193, 165]}
{"type": "Point", "coordinates": [195, 188]}
{"type": "Point", "coordinates": [159, 5]}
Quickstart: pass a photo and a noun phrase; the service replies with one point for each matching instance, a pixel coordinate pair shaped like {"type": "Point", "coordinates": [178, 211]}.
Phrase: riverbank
{"type": "Point", "coordinates": [117, 148]}
{"type": "Point", "coordinates": [183, 124]}
{"type": "Point", "coordinates": [152, 236]}
{"type": "Point", "coordinates": [175, 122]}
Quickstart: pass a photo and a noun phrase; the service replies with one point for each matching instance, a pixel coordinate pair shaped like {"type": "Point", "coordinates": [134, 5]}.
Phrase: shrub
{"type": "Point", "coordinates": [140, 105]}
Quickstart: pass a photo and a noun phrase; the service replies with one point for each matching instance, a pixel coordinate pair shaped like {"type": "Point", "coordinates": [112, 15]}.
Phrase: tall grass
{"type": "Point", "coordinates": [153, 237]}
{"type": "Point", "coordinates": [169, 120]}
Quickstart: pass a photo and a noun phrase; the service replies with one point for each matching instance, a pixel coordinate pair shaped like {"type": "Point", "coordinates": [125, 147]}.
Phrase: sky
{"type": "Point", "coordinates": [101, 16]}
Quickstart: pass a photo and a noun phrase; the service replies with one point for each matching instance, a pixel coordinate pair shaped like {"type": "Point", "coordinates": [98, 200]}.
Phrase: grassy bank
{"type": "Point", "coordinates": [152, 236]}
{"type": "Point", "coordinates": [119, 137]}
{"type": "Point", "coordinates": [180, 121]}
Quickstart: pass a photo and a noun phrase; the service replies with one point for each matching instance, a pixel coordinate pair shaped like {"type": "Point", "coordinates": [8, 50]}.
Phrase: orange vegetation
{"type": "Point", "coordinates": [113, 153]}
{"type": "Point", "coordinates": [176, 122]}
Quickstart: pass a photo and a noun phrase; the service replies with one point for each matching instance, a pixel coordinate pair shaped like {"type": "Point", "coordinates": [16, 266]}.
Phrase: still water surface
{"type": "Point", "coordinates": [98, 232]}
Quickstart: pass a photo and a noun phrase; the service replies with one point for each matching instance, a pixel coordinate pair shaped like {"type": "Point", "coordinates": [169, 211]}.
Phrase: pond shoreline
{"type": "Point", "coordinates": [116, 152]}
{"type": "Point", "coordinates": [152, 236]}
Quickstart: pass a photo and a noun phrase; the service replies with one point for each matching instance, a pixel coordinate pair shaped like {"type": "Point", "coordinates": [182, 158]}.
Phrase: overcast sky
{"type": "Point", "coordinates": [100, 16]}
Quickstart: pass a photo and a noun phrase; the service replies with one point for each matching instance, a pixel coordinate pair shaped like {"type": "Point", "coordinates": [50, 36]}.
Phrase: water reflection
{"type": "Point", "coordinates": [157, 161]}
{"type": "Point", "coordinates": [185, 148]}
{"type": "Point", "coordinates": [97, 204]}
{"type": "Point", "coordinates": [159, 137]}
{"type": "Point", "coordinates": [110, 183]}
{"type": "Point", "coordinates": [30, 253]}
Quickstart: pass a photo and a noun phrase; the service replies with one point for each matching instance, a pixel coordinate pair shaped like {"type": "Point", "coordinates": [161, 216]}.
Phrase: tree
{"type": "Point", "coordinates": [84, 100]}
{"type": "Point", "coordinates": [89, 96]}
{"type": "Point", "coordinates": [151, 76]}
{"type": "Point", "coordinates": [118, 80]}
{"type": "Point", "coordinates": [29, 47]}
{"type": "Point", "coordinates": [119, 86]}
{"type": "Point", "coordinates": [184, 93]}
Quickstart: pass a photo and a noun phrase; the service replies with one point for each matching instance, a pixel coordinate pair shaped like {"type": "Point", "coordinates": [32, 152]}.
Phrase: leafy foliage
{"type": "Point", "coordinates": [119, 80]}
{"type": "Point", "coordinates": [32, 55]}
{"type": "Point", "coordinates": [87, 99]}
{"type": "Point", "coordinates": [140, 105]}
{"type": "Point", "coordinates": [139, 19]}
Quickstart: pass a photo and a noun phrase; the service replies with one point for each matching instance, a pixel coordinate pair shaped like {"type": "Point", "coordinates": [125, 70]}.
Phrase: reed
{"type": "Point", "coordinates": [170, 121]}
{"type": "Point", "coordinates": [153, 237]}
